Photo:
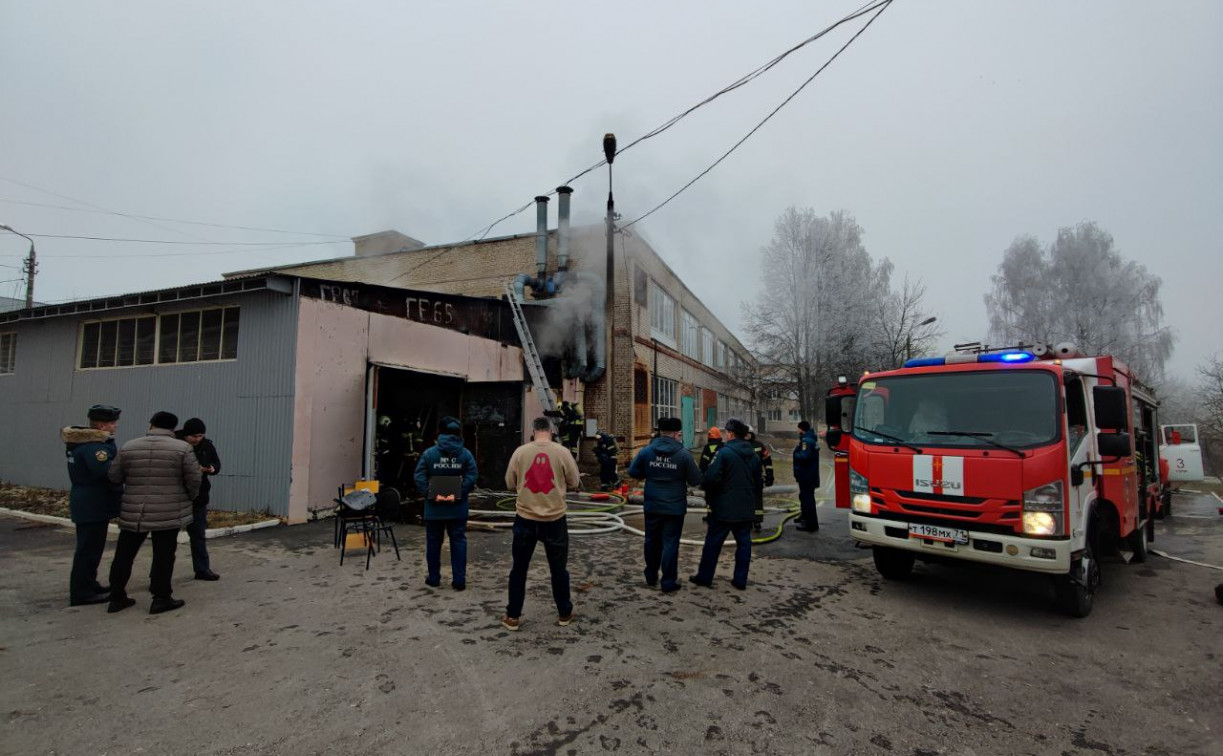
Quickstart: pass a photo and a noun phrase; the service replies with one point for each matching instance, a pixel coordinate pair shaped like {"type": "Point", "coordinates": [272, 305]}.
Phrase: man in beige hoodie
{"type": "Point", "coordinates": [542, 472]}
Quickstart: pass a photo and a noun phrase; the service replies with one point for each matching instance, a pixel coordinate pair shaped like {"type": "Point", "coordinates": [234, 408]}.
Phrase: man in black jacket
{"type": "Point", "coordinates": [210, 464]}
{"type": "Point", "coordinates": [766, 467]}
{"type": "Point", "coordinates": [732, 484]}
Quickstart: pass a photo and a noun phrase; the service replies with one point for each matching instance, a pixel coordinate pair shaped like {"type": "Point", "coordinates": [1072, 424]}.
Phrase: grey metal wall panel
{"type": "Point", "coordinates": [247, 403]}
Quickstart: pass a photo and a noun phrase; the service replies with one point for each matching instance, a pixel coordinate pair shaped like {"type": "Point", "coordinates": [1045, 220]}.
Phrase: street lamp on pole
{"type": "Point", "coordinates": [31, 265]}
{"type": "Point", "coordinates": [909, 337]}
{"type": "Point", "coordinates": [609, 152]}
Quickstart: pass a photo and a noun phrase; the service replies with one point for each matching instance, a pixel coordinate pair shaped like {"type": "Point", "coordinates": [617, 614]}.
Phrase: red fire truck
{"type": "Point", "coordinates": [1038, 459]}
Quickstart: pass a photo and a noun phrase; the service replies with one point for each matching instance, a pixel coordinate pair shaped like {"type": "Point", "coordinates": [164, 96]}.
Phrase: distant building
{"type": "Point", "coordinates": [9, 303]}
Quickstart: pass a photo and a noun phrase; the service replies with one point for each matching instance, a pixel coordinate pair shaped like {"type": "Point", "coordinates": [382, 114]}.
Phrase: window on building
{"type": "Point", "coordinates": [641, 402]}
{"type": "Point", "coordinates": [662, 315]}
{"type": "Point", "coordinates": [723, 410]}
{"type": "Point", "coordinates": [194, 336]}
{"type": "Point", "coordinates": [8, 352]}
{"type": "Point", "coordinates": [666, 399]}
{"type": "Point", "coordinates": [794, 416]}
{"type": "Point", "coordinates": [125, 342]}
{"type": "Point", "coordinates": [690, 335]}
{"type": "Point", "coordinates": [707, 342]}
{"type": "Point", "coordinates": [775, 414]}
{"type": "Point", "coordinates": [720, 363]}
{"type": "Point", "coordinates": [199, 336]}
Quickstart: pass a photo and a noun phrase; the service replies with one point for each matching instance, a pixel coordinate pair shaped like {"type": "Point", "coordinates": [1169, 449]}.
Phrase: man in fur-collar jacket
{"type": "Point", "coordinates": [161, 480]}
{"type": "Point", "coordinates": [93, 500]}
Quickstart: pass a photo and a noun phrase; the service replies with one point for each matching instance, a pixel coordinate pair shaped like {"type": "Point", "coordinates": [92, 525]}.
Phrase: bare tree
{"type": "Point", "coordinates": [1080, 289]}
{"type": "Point", "coordinates": [807, 324]}
{"type": "Point", "coordinates": [901, 327]}
{"type": "Point", "coordinates": [1211, 415]}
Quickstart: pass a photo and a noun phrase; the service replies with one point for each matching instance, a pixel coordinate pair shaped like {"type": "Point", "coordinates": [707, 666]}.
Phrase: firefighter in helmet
{"type": "Point", "coordinates": [572, 422]}
{"type": "Point", "coordinates": [605, 452]}
{"type": "Point", "coordinates": [710, 450]}
{"type": "Point", "coordinates": [766, 460]}
{"type": "Point", "coordinates": [382, 448]}
{"type": "Point", "coordinates": [414, 445]}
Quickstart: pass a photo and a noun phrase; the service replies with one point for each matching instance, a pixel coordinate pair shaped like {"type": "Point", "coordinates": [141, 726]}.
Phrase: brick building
{"type": "Point", "coordinates": [666, 352]}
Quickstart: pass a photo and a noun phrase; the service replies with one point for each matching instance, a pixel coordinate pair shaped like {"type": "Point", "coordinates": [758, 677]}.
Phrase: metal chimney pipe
{"type": "Point", "coordinates": [562, 231]}
{"type": "Point", "coordinates": [541, 239]}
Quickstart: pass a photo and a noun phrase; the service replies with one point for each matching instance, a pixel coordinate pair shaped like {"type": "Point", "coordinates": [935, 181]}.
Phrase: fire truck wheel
{"type": "Point", "coordinates": [1076, 592]}
{"type": "Point", "coordinates": [893, 564]}
{"type": "Point", "coordinates": [1137, 542]}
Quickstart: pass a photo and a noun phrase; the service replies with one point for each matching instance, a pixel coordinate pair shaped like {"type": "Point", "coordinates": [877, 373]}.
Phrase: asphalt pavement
{"type": "Point", "coordinates": [290, 653]}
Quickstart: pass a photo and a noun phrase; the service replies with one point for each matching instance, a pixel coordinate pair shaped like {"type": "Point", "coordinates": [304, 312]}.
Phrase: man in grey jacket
{"type": "Point", "coordinates": [161, 479]}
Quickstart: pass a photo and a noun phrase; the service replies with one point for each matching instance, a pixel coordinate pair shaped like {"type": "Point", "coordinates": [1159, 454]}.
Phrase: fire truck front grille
{"type": "Point", "coordinates": [950, 523]}
{"type": "Point", "coordinates": [943, 511]}
{"type": "Point", "coordinates": [920, 496]}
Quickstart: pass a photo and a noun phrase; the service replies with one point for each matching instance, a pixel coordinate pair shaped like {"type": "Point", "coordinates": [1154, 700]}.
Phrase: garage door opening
{"type": "Point", "coordinates": [405, 406]}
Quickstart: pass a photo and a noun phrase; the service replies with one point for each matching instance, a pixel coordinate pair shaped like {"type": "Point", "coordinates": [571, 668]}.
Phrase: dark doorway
{"type": "Point", "coordinates": [492, 427]}
{"type": "Point", "coordinates": [408, 406]}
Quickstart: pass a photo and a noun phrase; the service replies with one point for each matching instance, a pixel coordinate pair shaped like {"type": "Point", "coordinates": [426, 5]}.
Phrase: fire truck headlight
{"type": "Point", "coordinates": [1039, 523]}
{"type": "Point", "coordinates": [859, 492]}
{"type": "Point", "coordinates": [1043, 508]}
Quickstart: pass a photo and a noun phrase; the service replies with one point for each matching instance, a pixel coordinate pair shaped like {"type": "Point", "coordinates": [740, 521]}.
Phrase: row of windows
{"type": "Point", "coordinates": [665, 394]}
{"type": "Point", "coordinates": [194, 336]}
{"type": "Point", "coordinates": [694, 340]}
{"type": "Point", "coordinates": [666, 399]}
{"type": "Point", "coordinates": [8, 352]}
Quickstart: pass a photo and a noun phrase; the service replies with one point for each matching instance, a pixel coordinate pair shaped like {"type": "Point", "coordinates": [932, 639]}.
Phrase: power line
{"type": "Point", "coordinates": [168, 220]}
{"type": "Point", "coordinates": [191, 243]}
{"type": "Point", "coordinates": [881, 8]}
{"type": "Point", "coordinates": [740, 82]}
{"type": "Point", "coordinates": [99, 207]}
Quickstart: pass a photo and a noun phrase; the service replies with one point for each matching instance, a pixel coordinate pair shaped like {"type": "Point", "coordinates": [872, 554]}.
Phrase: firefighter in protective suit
{"type": "Point", "coordinates": [713, 444]}
{"type": "Point", "coordinates": [413, 443]}
{"type": "Point", "coordinates": [572, 422]}
{"type": "Point", "coordinates": [605, 452]}
{"type": "Point", "coordinates": [766, 461]}
{"type": "Point", "coordinates": [710, 450]}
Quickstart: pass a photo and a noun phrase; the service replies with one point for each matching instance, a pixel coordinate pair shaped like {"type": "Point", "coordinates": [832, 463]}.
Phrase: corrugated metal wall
{"type": "Point", "coordinates": [247, 404]}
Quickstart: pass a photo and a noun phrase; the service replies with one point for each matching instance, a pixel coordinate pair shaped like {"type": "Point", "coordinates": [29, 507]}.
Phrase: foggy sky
{"type": "Point", "coordinates": [948, 129]}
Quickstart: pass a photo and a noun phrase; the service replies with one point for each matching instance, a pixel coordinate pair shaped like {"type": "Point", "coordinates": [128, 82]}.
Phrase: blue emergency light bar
{"type": "Point", "coordinates": [1009, 358]}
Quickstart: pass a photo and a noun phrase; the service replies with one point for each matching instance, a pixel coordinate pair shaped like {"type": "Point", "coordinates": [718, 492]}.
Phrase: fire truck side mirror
{"type": "Point", "coordinates": [1110, 405]}
{"type": "Point", "coordinates": [832, 413]}
{"type": "Point", "coordinates": [833, 437]}
{"type": "Point", "coordinates": [1114, 444]}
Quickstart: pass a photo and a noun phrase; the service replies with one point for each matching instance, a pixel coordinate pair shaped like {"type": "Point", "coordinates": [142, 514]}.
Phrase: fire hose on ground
{"type": "Point", "coordinates": [600, 514]}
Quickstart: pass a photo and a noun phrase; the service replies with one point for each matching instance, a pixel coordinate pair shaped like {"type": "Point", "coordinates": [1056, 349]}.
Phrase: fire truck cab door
{"type": "Point", "coordinates": [1079, 446]}
{"type": "Point", "coordinates": [1181, 449]}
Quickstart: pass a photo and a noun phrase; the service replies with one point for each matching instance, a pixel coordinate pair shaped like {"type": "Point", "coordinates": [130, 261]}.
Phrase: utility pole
{"type": "Point", "coordinates": [609, 152]}
{"type": "Point", "coordinates": [31, 266]}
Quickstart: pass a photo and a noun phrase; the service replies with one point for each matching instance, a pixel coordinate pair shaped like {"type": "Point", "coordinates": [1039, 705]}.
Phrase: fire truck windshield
{"type": "Point", "coordinates": [988, 409]}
